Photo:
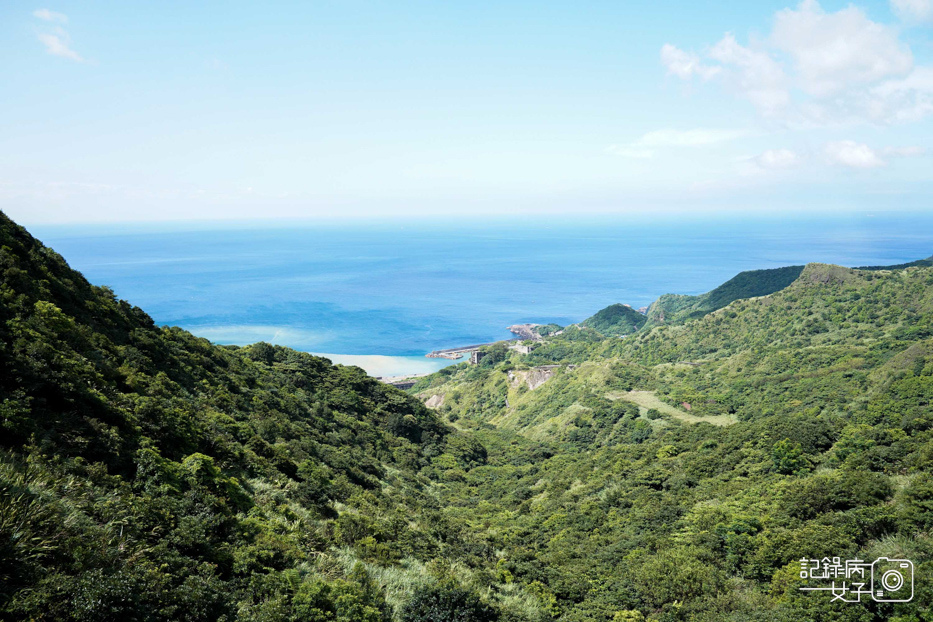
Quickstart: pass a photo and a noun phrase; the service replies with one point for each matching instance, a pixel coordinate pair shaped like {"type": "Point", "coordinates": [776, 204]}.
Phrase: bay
{"type": "Point", "coordinates": [382, 294]}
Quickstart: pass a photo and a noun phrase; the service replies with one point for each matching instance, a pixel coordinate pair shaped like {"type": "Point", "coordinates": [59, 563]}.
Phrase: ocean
{"type": "Point", "coordinates": [381, 295]}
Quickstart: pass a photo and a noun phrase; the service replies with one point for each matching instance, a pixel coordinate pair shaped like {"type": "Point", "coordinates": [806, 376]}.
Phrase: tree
{"type": "Point", "coordinates": [447, 603]}
{"type": "Point", "coordinates": [788, 458]}
{"type": "Point", "coordinates": [917, 504]}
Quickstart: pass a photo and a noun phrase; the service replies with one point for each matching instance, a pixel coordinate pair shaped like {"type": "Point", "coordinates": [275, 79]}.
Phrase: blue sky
{"type": "Point", "coordinates": [345, 109]}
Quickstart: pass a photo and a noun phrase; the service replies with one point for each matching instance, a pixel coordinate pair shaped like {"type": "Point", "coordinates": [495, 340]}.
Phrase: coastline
{"type": "Point", "coordinates": [380, 365]}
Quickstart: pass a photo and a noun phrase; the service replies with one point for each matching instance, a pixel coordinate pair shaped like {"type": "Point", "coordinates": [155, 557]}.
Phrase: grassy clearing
{"type": "Point", "coordinates": [647, 399]}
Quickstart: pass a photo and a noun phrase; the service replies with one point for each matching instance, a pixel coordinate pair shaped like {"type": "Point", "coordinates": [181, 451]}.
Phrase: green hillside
{"type": "Point", "coordinates": [675, 308]}
{"type": "Point", "coordinates": [676, 475]}
{"type": "Point", "coordinates": [683, 472]}
{"type": "Point", "coordinates": [615, 321]}
{"type": "Point", "coordinates": [146, 474]}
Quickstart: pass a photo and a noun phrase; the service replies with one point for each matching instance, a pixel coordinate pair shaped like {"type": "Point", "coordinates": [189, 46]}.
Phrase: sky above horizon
{"type": "Point", "coordinates": [176, 111]}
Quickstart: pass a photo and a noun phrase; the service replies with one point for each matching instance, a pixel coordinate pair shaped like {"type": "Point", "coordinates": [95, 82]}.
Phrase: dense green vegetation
{"type": "Point", "coordinates": [146, 474]}
{"type": "Point", "coordinates": [615, 320]}
{"type": "Point", "coordinates": [544, 330]}
{"type": "Point", "coordinates": [677, 474]}
{"type": "Point", "coordinates": [674, 308]}
{"type": "Point", "coordinates": [682, 472]}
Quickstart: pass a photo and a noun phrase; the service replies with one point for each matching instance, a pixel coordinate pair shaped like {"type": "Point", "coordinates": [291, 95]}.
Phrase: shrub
{"type": "Point", "coordinates": [447, 603]}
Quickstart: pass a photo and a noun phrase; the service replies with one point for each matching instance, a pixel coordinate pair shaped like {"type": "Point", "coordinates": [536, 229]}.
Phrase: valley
{"type": "Point", "coordinates": [679, 473]}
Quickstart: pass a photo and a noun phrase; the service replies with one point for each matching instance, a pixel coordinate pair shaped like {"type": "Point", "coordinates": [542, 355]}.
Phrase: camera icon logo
{"type": "Point", "coordinates": [892, 580]}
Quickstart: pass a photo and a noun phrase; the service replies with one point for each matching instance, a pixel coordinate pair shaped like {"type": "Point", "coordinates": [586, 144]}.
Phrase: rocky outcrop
{"type": "Point", "coordinates": [435, 401]}
{"type": "Point", "coordinates": [525, 331]}
{"type": "Point", "coordinates": [533, 377]}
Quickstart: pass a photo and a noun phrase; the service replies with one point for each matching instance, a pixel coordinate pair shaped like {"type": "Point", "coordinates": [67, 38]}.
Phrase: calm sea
{"type": "Point", "coordinates": [382, 295]}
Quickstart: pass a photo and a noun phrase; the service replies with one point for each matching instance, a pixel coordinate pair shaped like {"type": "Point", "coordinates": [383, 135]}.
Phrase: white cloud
{"type": "Point", "coordinates": [904, 100]}
{"type": "Point", "coordinates": [754, 73]}
{"type": "Point", "coordinates": [819, 68]}
{"type": "Point", "coordinates": [689, 138]}
{"type": "Point", "coordinates": [852, 154]}
{"type": "Point", "coordinates": [50, 16]}
{"type": "Point", "coordinates": [59, 44]}
{"type": "Point", "coordinates": [685, 64]}
{"type": "Point", "coordinates": [835, 51]}
{"type": "Point", "coordinates": [913, 11]}
{"type": "Point", "coordinates": [777, 159]}
{"type": "Point", "coordinates": [646, 146]}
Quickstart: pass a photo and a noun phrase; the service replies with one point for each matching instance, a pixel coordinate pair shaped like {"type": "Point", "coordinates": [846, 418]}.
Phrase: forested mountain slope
{"type": "Point", "coordinates": [682, 472]}
{"type": "Point", "coordinates": [677, 474]}
{"type": "Point", "coordinates": [146, 474]}
{"type": "Point", "coordinates": [615, 321]}
{"type": "Point", "coordinates": [677, 308]}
